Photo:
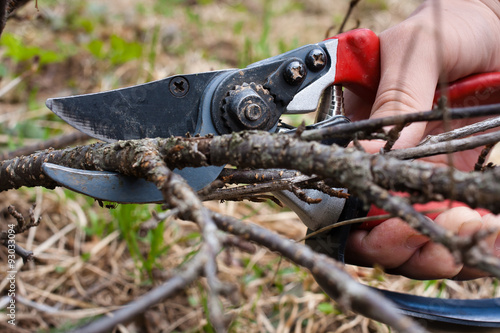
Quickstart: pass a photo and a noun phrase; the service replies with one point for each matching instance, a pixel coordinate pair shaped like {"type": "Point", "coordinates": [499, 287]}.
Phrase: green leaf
{"type": "Point", "coordinates": [326, 308]}
{"type": "Point", "coordinates": [60, 270]}
{"type": "Point", "coordinates": [3, 70]}
{"type": "Point", "coordinates": [17, 51]}
{"type": "Point", "coordinates": [85, 256]}
{"type": "Point", "coordinates": [95, 47]}
{"type": "Point", "coordinates": [117, 50]}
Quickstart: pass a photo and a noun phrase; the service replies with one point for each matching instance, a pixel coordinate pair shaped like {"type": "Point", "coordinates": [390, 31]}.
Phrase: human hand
{"type": "Point", "coordinates": [413, 57]}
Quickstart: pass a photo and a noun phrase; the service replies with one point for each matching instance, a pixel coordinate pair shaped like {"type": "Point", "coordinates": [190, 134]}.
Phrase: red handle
{"type": "Point", "coordinates": [358, 62]}
{"type": "Point", "coordinates": [436, 206]}
{"type": "Point", "coordinates": [358, 69]}
{"type": "Point", "coordinates": [477, 89]}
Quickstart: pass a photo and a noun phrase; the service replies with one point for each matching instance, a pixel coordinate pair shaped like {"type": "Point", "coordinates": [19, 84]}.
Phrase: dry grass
{"type": "Point", "coordinates": [83, 266]}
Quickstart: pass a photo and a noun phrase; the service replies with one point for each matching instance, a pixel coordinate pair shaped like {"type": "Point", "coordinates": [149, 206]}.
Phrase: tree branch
{"type": "Point", "coordinates": [350, 130]}
{"type": "Point", "coordinates": [153, 159]}
{"type": "Point", "coordinates": [349, 293]}
{"type": "Point", "coordinates": [462, 132]}
{"type": "Point", "coordinates": [445, 147]}
{"type": "Point", "coordinates": [178, 282]}
{"type": "Point", "coordinates": [265, 150]}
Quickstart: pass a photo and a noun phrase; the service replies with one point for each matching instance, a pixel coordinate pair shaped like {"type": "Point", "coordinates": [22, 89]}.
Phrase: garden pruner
{"type": "Point", "coordinates": [307, 79]}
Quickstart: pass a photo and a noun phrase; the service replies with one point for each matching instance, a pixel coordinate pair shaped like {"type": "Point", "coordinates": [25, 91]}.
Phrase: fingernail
{"type": "Point", "coordinates": [416, 241]}
{"type": "Point", "coordinates": [497, 243]}
{"type": "Point", "coordinates": [469, 228]}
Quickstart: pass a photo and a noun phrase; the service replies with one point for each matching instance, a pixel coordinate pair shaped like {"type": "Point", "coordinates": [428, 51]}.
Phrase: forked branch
{"type": "Point", "coordinates": [372, 178]}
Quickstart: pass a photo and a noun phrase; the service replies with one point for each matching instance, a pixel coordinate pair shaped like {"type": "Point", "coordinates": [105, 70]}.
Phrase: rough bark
{"type": "Point", "coordinates": [3, 14]}
{"type": "Point", "coordinates": [345, 166]}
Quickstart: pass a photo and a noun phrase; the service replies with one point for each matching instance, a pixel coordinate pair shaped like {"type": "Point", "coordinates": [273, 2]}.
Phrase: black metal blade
{"type": "Point", "coordinates": [157, 109]}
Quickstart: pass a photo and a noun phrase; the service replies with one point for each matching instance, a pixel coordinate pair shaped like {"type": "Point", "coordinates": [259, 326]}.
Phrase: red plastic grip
{"type": "Point", "coordinates": [437, 206]}
{"type": "Point", "coordinates": [474, 90]}
{"type": "Point", "coordinates": [358, 62]}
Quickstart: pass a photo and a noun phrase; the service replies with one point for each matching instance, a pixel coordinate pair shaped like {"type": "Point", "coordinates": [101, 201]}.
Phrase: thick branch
{"type": "Point", "coordinates": [264, 150]}
{"type": "Point", "coordinates": [348, 166]}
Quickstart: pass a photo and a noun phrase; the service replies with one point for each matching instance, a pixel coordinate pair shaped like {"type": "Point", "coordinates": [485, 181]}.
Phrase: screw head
{"type": "Point", "coordinates": [253, 111]}
{"type": "Point", "coordinates": [295, 72]}
{"type": "Point", "coordinates": [179, 86]}
{"type": "Point", "coordinates": [248, 108]}
{"type": "Point", "coordinates": [316, 60]}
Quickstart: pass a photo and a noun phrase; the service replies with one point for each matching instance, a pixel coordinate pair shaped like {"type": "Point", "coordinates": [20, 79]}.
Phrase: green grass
{"type": "Point", "coordinates": [440, 286]}
{"type": "Point", "coordinates": [116, 50]}
{"type": "Point", "coordinates": [262, 47]}
{"type": "Point", "coordinates": [128, 219]}
{"type": "Point", "coordinates": [19, 51]}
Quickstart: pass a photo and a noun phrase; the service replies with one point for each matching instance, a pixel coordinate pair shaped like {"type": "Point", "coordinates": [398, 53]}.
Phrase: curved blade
{"type": "Point", "coordinates": [469, 312]}
{"type": "Point", "coordinates": [170, 107]}
{"type": "Point", "coordinates": [112, 186]}
{"type": "Point", "coordinates": [156, 109]}
{"type": "Point", "coordinates": [103, 185]}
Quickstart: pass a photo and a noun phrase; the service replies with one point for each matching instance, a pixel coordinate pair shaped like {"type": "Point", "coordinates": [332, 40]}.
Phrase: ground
{"type": "Point", "coordinates": [90, 259]}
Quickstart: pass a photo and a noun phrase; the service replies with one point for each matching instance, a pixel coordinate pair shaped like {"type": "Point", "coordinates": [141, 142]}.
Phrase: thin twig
{"type": "Point", "coordinates": [239, 191]}
{"type": "Point", "coordinates": [192, 270]}
{"type": "Point", "coordinates": [352, 4]}
{"type": "Point", "coordinates": [350, 293]}
{"type": "Point", "coordinates": [362, 220]}
{"type": "Point", "coordinates": [392, 137]}
{"type": "Point", "coordinates": [59, 142]}
{"type": "Point", "coordinates": [239, 176]}
{"type": "Point", "coordinates": [156, 219]}
{"type": "Point", "coordinates": [350, 130]}
{"type": "Point", "coordinates": [479, 166]}
{"type": "Point", "coordinates": [462, 132]}
{"type": "Point", "coordinates": [446, 146]}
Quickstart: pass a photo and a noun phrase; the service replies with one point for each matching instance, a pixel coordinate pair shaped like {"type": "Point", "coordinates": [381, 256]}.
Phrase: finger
{"type": "Point", "coordinates": [401, 250]}
{"type": "Point", "coordinates": [407, 82]}
{"type": "Point", "coordinates": [431, 261]}
{"type": "Point", "coordinates": [492, 222]}
{"type": "Point", "coordinates": [390, 244]}
{"type": "Point", "coordinates": [489, 222]}
{"type": "Point", "coordinates": [434, 261]}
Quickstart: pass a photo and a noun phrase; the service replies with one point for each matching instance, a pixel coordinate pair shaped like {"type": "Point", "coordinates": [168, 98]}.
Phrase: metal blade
{"type": "Point", "coordinates": [170, 107]}
{"type": "Point", "coordinates": [162, 108]}
{"type": "Point", "coordinates": [103, 185]}
{"type": "Point", "coordinates": [112, 186]}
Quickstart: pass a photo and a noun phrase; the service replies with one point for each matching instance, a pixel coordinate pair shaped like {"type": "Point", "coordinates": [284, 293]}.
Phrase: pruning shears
{"type": "Point", "coordinates": [307, 79]}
